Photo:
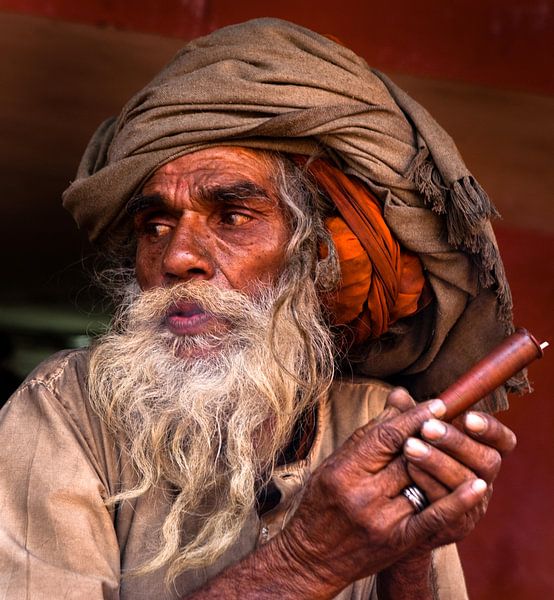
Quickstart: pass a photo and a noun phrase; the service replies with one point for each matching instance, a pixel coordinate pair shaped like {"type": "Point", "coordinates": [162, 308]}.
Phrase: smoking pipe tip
{"type": "Point", "coordinates": [544, 345]}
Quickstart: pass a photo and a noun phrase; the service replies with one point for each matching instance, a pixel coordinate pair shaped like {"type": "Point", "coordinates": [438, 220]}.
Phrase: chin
{"type": "Point", "coordinates": [207, 344]}
{"type": "Point", "coordinates": [197, 351]}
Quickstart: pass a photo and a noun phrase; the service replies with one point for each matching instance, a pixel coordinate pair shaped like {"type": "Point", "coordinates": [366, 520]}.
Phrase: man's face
{"type": "Point", "coordinates": [212, 215]}
{"type": "Point", "coordinates": [201, 381]}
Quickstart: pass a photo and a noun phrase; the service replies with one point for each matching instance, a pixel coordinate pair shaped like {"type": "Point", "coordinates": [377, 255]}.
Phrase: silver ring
{"type": "Point", "coordinates": [416, 497]}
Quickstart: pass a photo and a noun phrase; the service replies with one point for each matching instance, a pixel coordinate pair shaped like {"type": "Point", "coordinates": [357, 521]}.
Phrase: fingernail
{"type": "Point", "coordinates": [479, 486]}
{"type": "Point", "coordinates": [415, 447]}
{"type": "Point", "coordinates": [433, 429]}
{"type": "Point", "coordinates": [475, 423]}
{"type": "Point", "coordinates": [437, 408]}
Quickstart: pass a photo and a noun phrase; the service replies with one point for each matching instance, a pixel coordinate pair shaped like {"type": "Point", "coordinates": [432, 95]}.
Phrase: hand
{"type": "Point", "coordinates": [410, 577]}
{"type": "Point", "coordinates": [450, 455]}
{"type": "Point", "coordinates": [352, 522]}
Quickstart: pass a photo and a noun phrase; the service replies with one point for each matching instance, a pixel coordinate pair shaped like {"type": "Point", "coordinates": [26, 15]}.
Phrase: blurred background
{"type": "Point", "coordinates": [484, 69]}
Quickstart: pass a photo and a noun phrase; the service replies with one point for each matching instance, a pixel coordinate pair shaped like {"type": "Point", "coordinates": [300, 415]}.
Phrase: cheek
{"type": "Point", "coordinates": [148, 266]}
{"type": "Point", "coordinates": [260, 265]}
{"type": "Point", "coordinates": [271, 258]}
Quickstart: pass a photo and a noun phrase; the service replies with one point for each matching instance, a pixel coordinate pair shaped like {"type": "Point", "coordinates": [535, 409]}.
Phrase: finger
{"type": "Point", "coordinates": [480, 458]}
{"type": "Point", "coordinates": [433, 489]}
{"type": "Point", "coordinates": [375, 446]}
{"type": "Point", "coordinates": [387, 483]}
{"type": "Point", "coordinates": [439, 465]}
{"type": "Point", "coordinates": [399, 474]}
{"type": "Point", "coordinates": [393, 478]}
{"type": "Point", "coordinates": [489, 430]}
{"type": "Point", "coordinates": [398, 401]}
{"type": "Point", "coordinates": [447, 511]}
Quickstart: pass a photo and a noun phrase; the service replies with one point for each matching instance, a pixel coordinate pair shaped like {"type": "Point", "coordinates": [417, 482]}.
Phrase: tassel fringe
{"type": "Point", "coordinates": [467, 208]}
{"type": "Point", "coordinates": [428, 181]}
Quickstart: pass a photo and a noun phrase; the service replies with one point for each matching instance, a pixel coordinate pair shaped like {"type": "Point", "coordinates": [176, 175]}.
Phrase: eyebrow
{"type": "Point", "coordinates": [142, 202]}
{"type": "Point", "coordinates": [240, 190]}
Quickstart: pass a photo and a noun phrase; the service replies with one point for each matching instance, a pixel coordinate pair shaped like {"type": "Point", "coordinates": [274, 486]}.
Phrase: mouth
{"type": "Point", "coordinates": [187, 318]}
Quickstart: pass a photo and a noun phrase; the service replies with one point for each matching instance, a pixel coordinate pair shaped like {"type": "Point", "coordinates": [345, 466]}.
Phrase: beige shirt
{"type": "Point", "coordinates": [58, 464]}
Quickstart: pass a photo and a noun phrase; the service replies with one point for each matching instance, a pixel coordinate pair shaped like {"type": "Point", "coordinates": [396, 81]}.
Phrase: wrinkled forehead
{"type": "Point", "coordinates": [223, 173]}
{"type": "Point", "coordinates": [221, 163]}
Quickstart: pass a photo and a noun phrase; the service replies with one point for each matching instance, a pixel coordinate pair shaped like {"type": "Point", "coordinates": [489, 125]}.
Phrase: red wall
{"type": "Point", "coordinates": [511, 554]}
{"type": "Point", "coordinates": [508, 43]}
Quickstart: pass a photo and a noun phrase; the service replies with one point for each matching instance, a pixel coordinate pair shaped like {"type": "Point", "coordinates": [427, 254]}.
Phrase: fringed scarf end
{"type": "Point", "coordinates": [467, 208]}
{"type": "Point", "coordinates": [428, 181]}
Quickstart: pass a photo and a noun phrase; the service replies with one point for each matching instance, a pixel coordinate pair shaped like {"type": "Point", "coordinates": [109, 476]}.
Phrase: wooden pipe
{"type": "Point", "coordinates": [507, 359]}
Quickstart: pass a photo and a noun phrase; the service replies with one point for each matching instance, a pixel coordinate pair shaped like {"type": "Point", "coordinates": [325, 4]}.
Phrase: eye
{"type": "Point", "coordinates": [235, 219]}
{"type": "Point", "coordinates": [155, 230]}
{"type": "Point", "coordinates": [151, 227]}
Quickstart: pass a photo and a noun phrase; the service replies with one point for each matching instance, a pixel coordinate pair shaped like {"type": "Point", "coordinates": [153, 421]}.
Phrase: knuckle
{"type": "Point", "coordinates": [489, 466]}
{"type": "Point", "coordinates": [483, 506]}
{"type": "Point", "coordinates": [342, 494]}
{"type": "Point", "coordinates": [434, 521]}
{"type": "Point", "coordinates": [502, 437]}
{"type": "Point", "coordinates": [494, 463]}
{"type": "Point", "coordinates": [387, 413]}
{"type": "Point", "coordinates": [511, 442]}
{"type": "Point", "coordinates": [360, 433]}
{"type": "Point", "coordinates": [377, 531]}
{"type": "Point", "coordinates": [388, 437]}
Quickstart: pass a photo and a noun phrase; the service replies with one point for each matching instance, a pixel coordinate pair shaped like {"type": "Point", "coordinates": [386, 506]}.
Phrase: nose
{"type": "Point", "coordinates": [187, 255]}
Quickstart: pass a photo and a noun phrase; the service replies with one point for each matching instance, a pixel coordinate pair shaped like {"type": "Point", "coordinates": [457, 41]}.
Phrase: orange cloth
{"type": "Point", "coordinates": [380, 281]}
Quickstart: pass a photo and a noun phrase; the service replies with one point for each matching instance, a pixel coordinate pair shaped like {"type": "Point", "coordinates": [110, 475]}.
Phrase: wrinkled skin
{"type": "Point", "coordinates": [200, 220]}
{"type": "Point", "coordinates": [212, 215]}
{"type": "Point", "coordinates": [352, 512]}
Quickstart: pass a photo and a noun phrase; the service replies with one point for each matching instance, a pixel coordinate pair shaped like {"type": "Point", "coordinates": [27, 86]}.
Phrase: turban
{"type": "Point", "coordinates": [380, 281]}
{"type": "Point", "coordinates": [274, 85]}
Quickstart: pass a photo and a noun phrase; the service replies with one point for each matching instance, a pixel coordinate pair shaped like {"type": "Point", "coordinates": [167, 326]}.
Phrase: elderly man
{"type": "Point", "coordinates": [292, 234]}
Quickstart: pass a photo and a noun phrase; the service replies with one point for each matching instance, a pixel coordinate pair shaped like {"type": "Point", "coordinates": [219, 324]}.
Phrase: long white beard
{"type": "Point", "coordinates": [208, 414]}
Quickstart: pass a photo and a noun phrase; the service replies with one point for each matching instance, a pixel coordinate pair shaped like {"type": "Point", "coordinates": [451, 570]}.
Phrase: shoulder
{"type": "Point", "coordinates": [60, 378]}
{"type": "Point", "coordinates": [51, 414]}
{"type": "Point", "coordinates": [60, 468]}
{"type": "Point", "coordinates": [60, 369]}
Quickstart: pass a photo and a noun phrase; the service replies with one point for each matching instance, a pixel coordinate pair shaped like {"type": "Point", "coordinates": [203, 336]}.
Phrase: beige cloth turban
{"type": "Point", "coordinates": [271, 84]}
